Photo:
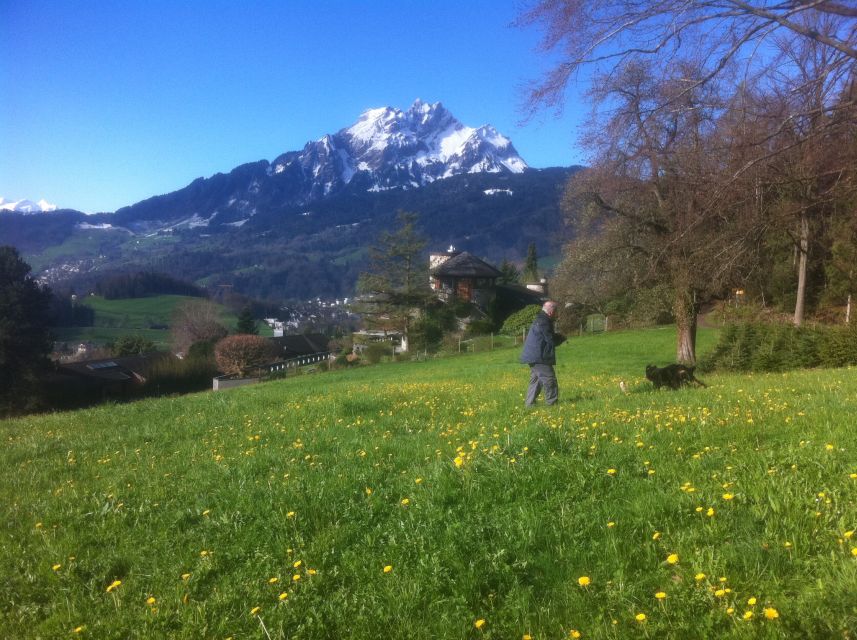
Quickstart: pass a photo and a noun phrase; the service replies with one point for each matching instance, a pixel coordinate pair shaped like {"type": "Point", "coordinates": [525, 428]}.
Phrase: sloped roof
{"type": "Point", "coordinates": [115, 369]}
{"type": "Point", "coordinates": [466, 265]}
{"type": "Point", "coordinates": [301, 344]}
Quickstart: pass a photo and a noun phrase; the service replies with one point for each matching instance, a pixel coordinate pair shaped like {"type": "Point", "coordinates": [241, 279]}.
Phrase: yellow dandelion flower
{"type": "Point", "coordinates": [206, 512]}
{"type": "Point", "coordinates": [751, 601]}
{"type": "Point", "coordinates": [296, 577]}
{"type": "Point", "coordinates": [787, 544]}
{"type": "Point", "coordinates": [848, 535]}
{"type": "Point", "coordinates": [283, 596]}
{"type": "Point", "coordinates": [730, 610]}
{"type": "Point", "coordinates": [79, 629]}
{"type": "Point", "coordinates": [720, 593]}
{"type": "Point", "coordinates": [710, 512]}
{"type": "Point", "coordinates": [368, 491]}
{"type": "Point", "coordinates": [611, 472]}
{"type": "Point", "coordinates": [660, 595]}
{"type": "Point", "coordinates": [640, 617]}
{"type": "Point", "coordinates": [297, 563]}
{"type": "Point", "coordinates": [405, 502]}
{"type": "Point", "coordinates": [698, 509]}
{"type": "Point", "coordinates": [150, 600]}
{"type": "Point", "coordinates": [672, 558]}
{"type": "Point", "coordinates": [273, 580]}
{"type": "Point", "coordinates": [479, 623]}
{"type": "Point", "coordinates": [388, 568]}
{"type": "Point", "coordinates": [255, 610]}
{"type": "Point", "coordinates": [829, 447]}
{"type": "Point", "coordinates": [56, 567]}
{"type": "Point", "coordinates": [747, 615]}
{"type": "Point", "coordinates": [611, 524]}
{"type": "Point", "coordinates": [728, 496]}
{"type": "Point", "coordinates": [290, 514]}
{"type": "Point", "coordinates": [584, 581]}
{"type": "Point", "coordinates": [185, 576]}
{"type": "Point", "coordinates": [771, 613]}
{"type": "Point", "coordinates": [459, 461]}
{"type": "Point", "coordinates": [527, 636]}
{"type": "Point", "coordinates": [854, 551]}
{"type": "Point", "coordinates": [311, 572]}
{"type": "Point", "coordinates": [113, 585]}
{"type": "Point", "coordinates": [656, 535]}
{"type": "Point", "coordinates": [418, 480]}
{"type": "Point", "coordinates": [574, 633]}
{"type": "Point", "coordinates": [699, 577]}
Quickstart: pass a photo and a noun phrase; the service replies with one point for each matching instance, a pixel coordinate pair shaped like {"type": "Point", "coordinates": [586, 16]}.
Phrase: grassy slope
{"type": "Point", "coordinates": [236, 489]}
{"type": "Point", "coordinates": [116, 318]}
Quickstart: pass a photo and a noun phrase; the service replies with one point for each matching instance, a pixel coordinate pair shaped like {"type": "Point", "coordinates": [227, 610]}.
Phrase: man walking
{"type": "Point", "coordinates": [540, 353]}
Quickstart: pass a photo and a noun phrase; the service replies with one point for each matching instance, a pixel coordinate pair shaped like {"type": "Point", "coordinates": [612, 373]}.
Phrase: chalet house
{"type": "Point", "coordinates": [397, 340]}
{"type": "Point", "coordinates": [459, 275]}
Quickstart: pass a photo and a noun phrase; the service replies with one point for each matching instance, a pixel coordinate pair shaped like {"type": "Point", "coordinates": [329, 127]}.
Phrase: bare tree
{"type": "Point", "coordinates": [196, 321]}
{"type": "Point", "coordinates": [717, 34]}
{"type": "Point", "coordinates": [789, 66]}
{"type": "Point", "coordinates": [659, 212]}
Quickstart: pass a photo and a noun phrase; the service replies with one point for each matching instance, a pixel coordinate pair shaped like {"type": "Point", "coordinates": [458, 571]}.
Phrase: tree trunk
{"type": "Point", "coordinates": [801, 269]}
{"type": "Point", "coordinates": [848, 310]}
{"type": "Point", "coordinates": [686, 315]}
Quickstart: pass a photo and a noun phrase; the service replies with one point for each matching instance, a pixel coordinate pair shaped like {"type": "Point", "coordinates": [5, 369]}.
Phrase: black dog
{"type": "Point", "coordinates": [672, 376]}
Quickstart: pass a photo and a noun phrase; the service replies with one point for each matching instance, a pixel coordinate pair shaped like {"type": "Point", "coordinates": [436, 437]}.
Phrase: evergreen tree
{"type": "Point", "coordinates": [531, 266]}
{"type": "Point", "coordinates": [396, 285]}
{"type": "Point", "coordinates": [25, 337]}
{"type": "Point", "coordinates": [509, 273]}
{"type": "Point", "coordinates": [247, 323]}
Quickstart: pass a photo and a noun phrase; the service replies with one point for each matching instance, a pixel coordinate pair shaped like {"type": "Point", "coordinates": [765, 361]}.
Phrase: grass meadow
{"type": "Point", "coordinates": [422, 500]}
{"type": "Point", "coordinates": [135, 316]}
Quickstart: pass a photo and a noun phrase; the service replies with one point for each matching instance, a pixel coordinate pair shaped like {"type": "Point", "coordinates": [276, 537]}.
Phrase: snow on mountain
{"type": "Point", "coordinates": [401, 149]}
{"type": "Point", "coordinates": [26, 206]}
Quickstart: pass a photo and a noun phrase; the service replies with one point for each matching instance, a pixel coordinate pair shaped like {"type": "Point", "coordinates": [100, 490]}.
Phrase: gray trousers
{"type": "Point", "coordinates": [542, 376]}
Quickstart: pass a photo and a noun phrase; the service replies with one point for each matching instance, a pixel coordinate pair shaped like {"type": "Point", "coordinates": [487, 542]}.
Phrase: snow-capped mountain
{"type": "Point", "coordinates": [402, 149]}
{"type": "Point", "coordinates": [385, 149]}
{"type": "Point", "coordinates": [27, 206]}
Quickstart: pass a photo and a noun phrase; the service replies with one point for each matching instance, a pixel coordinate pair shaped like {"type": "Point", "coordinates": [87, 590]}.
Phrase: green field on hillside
{"type": "Point", "coordinates": [117, 318]}
{"type": "Point", "coordinates": [422, 500]}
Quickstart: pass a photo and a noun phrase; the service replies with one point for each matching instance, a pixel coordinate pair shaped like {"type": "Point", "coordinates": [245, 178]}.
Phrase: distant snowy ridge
{"type": "Point", "coordinates": [400, 149]}
{"type": "Point", "coordinates": [27, 206]}
{"type": "Point", "coordinates": [385, 149]}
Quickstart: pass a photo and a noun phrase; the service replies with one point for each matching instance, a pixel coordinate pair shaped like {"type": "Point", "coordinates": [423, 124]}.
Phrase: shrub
{"type": "Point", "coordinates": [520, 320]}
{"type": "Point", "coordinates": [479, 328]}
{"type": "Point", "coordinates": [780, 347]}
{"type": "Point", "coordinates": [131, 346]}
{"type": "Point", "coordinates": [377, 350]}
{"type": "Point", "coordinates": [426, 335]}
{"type": "Point", "coordinates": [235, 354]}
{"type": "Point", "coordinates": [171, 375]}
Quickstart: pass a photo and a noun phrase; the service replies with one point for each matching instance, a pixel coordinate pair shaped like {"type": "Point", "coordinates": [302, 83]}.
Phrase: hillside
{"type": "Point", "coordinates": [297, 251]}
{"type": "Point", "coordinates": [149, 317]}
{"type": "Point", "coordinates": [423, 500]}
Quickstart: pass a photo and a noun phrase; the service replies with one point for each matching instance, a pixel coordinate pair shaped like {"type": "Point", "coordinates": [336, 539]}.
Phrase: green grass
{"type": "Point", "coordinates": [104, 335]}
{"type": "Point", "coordinates": [200, 502]}
{"type": "Point", "coordinates": [117, 318]}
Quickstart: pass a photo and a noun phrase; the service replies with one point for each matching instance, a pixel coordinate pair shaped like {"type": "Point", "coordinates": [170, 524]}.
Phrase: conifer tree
{"type": "Point", "coordinates": [531, 266]}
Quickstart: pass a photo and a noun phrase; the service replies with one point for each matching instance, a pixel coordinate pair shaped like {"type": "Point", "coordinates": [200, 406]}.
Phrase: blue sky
{"type": "Point", "coordinates": [106, 103]}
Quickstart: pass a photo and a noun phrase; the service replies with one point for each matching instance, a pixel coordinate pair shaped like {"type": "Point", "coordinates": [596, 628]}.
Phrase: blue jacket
{"type": "Point", "coordinates": [540, 345]}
